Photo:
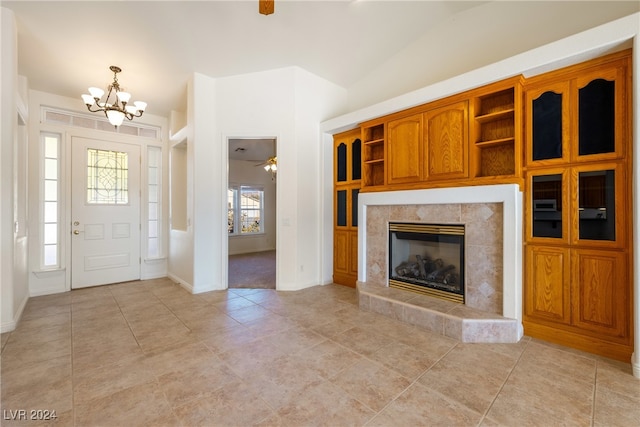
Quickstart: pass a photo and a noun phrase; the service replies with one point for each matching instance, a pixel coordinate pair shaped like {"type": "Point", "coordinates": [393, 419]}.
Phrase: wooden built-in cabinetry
{"type": "Point", "coordinates": [466, 139]}
{"type": "Point", "coordinates": [347, 176]}
{"type": "Point", "coordinates": [577, 289]}
{"type": "Point", "coordinates": [565, 138]}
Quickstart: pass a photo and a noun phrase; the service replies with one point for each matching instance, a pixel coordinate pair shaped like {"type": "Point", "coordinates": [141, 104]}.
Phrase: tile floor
{"type": "Point", "coordinates": [151, 354]}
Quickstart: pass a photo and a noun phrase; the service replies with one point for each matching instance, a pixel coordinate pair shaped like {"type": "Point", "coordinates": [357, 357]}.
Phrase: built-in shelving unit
{"type": "Point", "coordinates": [494, 128]}
{"type": "Point", "coordinates": [373, 159]}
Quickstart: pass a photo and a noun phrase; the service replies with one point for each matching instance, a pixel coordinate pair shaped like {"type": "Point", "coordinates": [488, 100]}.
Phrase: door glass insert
{"type": "Point", "coordinates": [597, 117]}
{"type": "Point", "coordinates": [547, 126]}
{"type": "Point", "coordinates": [596, 196]}
{"type": "Point", "coordinates": [107, 177]}
{"type": "Point", "coordinates": [547, 206]}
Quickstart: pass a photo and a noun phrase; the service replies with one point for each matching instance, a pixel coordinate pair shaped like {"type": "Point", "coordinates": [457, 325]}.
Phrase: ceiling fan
{"type": "Point", "coordinates": [266, 7]}
{"type": "Point", "coordinates": [271, 164]}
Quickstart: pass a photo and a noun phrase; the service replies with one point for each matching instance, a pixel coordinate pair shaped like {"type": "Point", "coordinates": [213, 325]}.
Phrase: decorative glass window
{"type": "Point", "coordinates": [50, 197]}
{"type": "Point", "coordinates": [245, 210]}
{"type": "Point", "coordinates": [154, 155]}
{"type": "Point", "coordinates": [107, 177]}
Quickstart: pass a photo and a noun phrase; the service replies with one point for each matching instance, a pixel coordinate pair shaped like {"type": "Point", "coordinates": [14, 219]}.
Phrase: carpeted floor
{"type": "Point", "coordinates": [256, 270]}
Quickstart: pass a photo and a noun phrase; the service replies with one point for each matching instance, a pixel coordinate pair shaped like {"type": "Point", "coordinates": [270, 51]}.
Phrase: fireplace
{"type": "Point", "coordinates": [427, 259]}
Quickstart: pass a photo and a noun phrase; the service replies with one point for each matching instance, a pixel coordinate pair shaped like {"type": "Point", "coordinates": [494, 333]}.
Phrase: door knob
{"type": "Point", "coordinates": [76, 231]}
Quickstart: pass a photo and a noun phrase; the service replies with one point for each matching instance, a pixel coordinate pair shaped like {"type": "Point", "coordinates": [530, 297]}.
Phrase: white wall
{"type": "Point", "coordinates": [243, 172]}
{"type": "Point", "coordinates": [286, 104]}
{"type": "Point", "coordinates": [13, 238]}
{"type": "Point", "coordinates": [580, 47]}
{"type": "Point", "coordinates": [478, 37]}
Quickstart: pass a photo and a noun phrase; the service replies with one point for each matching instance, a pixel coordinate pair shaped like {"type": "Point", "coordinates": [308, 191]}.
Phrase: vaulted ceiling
{"type": "Point", "coordinates": [64, 47]}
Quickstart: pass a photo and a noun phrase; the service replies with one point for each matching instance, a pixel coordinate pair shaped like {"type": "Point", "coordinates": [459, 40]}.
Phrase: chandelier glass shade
{"type": "Point", "coordinates": [116, 105]}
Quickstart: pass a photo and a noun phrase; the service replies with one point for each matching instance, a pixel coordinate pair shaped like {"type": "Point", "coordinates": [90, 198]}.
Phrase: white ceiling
{"type": "Point", "coordinates": [64, 47]}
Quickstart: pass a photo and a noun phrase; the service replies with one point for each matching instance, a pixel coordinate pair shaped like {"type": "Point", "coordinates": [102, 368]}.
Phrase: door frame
{"type": "Point", "coordinates": [66, 190]}
{"type": "Point", "coordinates": [224, 252]}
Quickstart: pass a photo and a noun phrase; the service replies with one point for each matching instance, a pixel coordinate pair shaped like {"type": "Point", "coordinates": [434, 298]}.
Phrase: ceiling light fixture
{"type": "Point", "coordinates": [266, 7]}
{"type": "Point", "coordinates": [271, 166]}
{"type": "Point", "coordinates": [115, 110]}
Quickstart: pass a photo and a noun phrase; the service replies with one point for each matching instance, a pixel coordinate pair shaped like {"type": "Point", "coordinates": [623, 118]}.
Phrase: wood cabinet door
{"type": "Point", "coordinates": [446, 138]}
{"type": "Point", "coordinates": [548, 290]}
{"type": "Point", "coordinates": [601, 292]}
{"type": "Point", "coordinates": [404, 150]}
{"type": "Point", "coordinates": [353, 265]}
{"type": "Point", "coordinates": [341, 252]}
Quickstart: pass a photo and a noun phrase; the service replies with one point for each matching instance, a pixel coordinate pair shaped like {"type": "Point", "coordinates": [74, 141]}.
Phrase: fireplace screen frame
{"type": "Point", "coordinates": [433, 232]}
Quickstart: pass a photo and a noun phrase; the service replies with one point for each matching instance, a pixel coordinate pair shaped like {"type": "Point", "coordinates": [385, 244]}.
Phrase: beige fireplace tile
{"type": "Point", "coordinates": [426, 319]}
{"type": "Point", "coordinates": [453, 327]}
{"type": "Point", "coordinates": [483, 223]}
{"type": "Point", "coordinates": [483, 276]}
{"type": "Point", "coordinates": [438, 214]}
{"type": "Point", "coordinates": [434, 304]}
{"type": "Point", "coordinates": [364, 301]}
{"type": "Point", "coordinates": [490, 331]}
{"type": "Point", "coordinates": [386, 308]}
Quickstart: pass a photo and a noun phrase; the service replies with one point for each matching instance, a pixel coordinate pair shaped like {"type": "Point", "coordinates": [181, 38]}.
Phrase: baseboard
{"type": "Point", "coordinates": [10, 326]}
{"type": "Point", "coordinates": [186, 285]}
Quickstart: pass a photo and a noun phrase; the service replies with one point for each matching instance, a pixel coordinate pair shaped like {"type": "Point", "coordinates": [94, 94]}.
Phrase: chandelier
{"type": "Point", "coordinates": [116, 108]}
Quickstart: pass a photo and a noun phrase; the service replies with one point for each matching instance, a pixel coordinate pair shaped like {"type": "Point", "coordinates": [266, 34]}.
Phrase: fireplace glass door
{"type": "Point", "coordinates": [428, 259]}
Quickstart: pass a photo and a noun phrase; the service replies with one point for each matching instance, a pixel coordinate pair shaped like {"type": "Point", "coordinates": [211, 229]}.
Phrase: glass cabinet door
{"type": "Point", "coordinates": [356, 159]}
{"type": "Point", "coordinates": [596, 117]}
{"type": "Point", "coordinates": [598, 205]}
{"type": "Point", "coordinates": [341, 162]}
{"type": "Point", "coordinates": [548, 216]}
{"type": "Point", "coordinates": [548, 123]}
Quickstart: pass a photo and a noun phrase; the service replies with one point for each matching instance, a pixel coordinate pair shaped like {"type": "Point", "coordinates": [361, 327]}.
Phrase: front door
{"type": "Point", "coordinates": [105, 212]}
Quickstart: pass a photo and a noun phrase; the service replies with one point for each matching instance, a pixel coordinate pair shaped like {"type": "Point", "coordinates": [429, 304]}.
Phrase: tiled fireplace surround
{"type": "Point", "coordinates": [492, 215]}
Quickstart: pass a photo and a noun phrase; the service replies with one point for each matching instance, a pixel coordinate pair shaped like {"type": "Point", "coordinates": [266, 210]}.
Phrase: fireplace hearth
{"type": "Point", "coordinates": [427, 259]}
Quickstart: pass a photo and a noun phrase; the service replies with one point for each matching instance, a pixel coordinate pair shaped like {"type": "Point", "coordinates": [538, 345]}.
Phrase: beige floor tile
{"type": "Point", "coordinates": [142, 405]}
{"type": "Point", "coordinates": [4, 337]}
{"type": "Point", "coordinates": [131, 353]}
{"type": "Point", "coordinates": [44, 385]}
{"type": "Point", "coordinates": [235, 404]}
{"type": "Point", "coordinates": [195, 382]}
{"type": "Point", "coordinates": [27, 353]}
{"type": "Point", "coordinates": [61, 319]}
{"type": "Point", "coordinates": [226, 339]}
{"type": "Point", "coordinates": [180, 357]}
{"type": "Point", "coordinates": [283, 380]}
{"type": "Point", "coordinates": [362, 340]}
{"type": "Point", "coordinates": [105, 380]}
{"type": "Point", "coordinates": [421, 406]}
{"type": "Point", "coordinates": [248, 360]}
{"type": "Point", "coordinates": [371, 383]}
{"type": "Point", "coordinates": [616, 409]}
{"type": "Point", "coordinates": [325, 405]}
{"type": "Point", "coordinates": [517, 405]}
{"type": "Point", "coordinates": [470, 374]}
{"type": "Point", "coordinates": [295, 340]}
{"type": "Point", "coordinates": [329, 358]}
{"type": "Point", "coordinates": [404, 360]}
{"type": "Point", "coordinates": [250, 314]}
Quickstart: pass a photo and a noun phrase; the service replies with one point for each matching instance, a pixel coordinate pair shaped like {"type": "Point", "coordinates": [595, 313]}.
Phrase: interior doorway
{"type": "Point", "coordinates": [251, 203]}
